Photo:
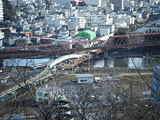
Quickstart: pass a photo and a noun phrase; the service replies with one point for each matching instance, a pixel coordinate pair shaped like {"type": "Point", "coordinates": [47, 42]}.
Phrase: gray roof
{"type": "Point", "coordinates": [84, 75]}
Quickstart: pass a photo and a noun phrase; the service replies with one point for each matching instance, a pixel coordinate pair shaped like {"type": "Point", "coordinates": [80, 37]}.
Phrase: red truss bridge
{"type": "Point", "coordinates": [114, 42]}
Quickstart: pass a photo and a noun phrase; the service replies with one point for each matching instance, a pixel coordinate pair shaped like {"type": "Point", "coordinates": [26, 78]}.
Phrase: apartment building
{"type": "Point", "coordinates": [118, 4]}
{"type": "Point", "coordinates": [76, 20]}
{"type": "Point", "coordinates": [1, 10]}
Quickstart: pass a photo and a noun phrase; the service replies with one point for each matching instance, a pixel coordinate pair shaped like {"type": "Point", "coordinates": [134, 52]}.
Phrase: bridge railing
{"type": "Point", "coordinates": [114, 42]}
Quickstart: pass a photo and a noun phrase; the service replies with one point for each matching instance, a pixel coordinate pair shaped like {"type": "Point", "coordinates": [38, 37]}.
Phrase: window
{"type": "Point", "coordinates": [46, 95]}
{"type": "Point", "coordinates": [83, 80]}
{"type": "Point", "coordinates": [40, 99]}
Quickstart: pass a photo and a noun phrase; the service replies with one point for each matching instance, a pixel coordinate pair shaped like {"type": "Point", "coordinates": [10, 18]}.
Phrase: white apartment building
{"type": "Point", "coordinates": [1, 38]}
{"type": "Point", "coordinates": [76, 20]}
{"type": "Point", "coordinates": [63, 36]}
{"type": "Point", "coordinates": [109, 19]}
{"type": "Point", "coordinates": [1, 10]}
{"type": "Point", "coordinates": [104, 29]}
{"type": "Point", "coordinates": [117, 18]}
{"type": "Point", "coordinates": [96, 23]}
{"type": "Point", "coordinates": [93, 20]}
{"type": "Point", "coordinates": [93, 2]}
{"type": "Point", "coordinates": [121, 24]}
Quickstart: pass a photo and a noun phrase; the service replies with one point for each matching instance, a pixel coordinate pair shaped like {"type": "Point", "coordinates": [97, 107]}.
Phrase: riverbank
{"type": "Point", "coordinates": [121, 75]}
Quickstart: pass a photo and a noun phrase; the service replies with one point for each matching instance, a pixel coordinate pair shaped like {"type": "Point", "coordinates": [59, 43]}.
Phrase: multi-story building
{"type": "Point", "coordinates": [118, 4]}
{"type": "Point", "coordinates": [119, 18]}
{"type": "Point", "coordinates": [63, 36]}
{"type": "Point", "coordinates": [93, 2]}
{"type": "Point", "coordinates": [95, 19]}
{"type": "Point", "coordinates": [64, 2]}
{"type": "Point", "coordinates": [1, 38]}
{"type": "Point", "coordinates": [1, 10]}
{"type": "Point", "coordinates": [76, 20]}
{"type": "Point", "coordinates": [106, 29]}
{"type": "Point", "coordinates": [156, 86]}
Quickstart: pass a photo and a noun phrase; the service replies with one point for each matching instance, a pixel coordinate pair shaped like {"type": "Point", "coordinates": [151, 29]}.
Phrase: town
{"type": "Point", "coordinates": [79, 59]}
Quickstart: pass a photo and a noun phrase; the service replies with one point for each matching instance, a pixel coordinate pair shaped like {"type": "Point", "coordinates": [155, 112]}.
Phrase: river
{"type": "Point", "coordinates": [110, 62]}
{"type": "Point", "coordinates": [128, 62]}
{"type": "Point", "coordinates": [115, 59]}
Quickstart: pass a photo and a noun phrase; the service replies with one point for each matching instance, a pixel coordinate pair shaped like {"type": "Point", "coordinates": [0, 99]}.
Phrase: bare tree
{"type": "Point", "coordinates": [18, 76]}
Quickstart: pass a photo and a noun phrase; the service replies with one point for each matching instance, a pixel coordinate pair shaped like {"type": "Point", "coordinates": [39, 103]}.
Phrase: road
{"type": "Point", "coordinates": [41, 75]}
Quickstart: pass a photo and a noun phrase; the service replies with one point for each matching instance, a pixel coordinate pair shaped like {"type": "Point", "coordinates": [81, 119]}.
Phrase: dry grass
{"type": "Point", "coordinates": [67, 77]}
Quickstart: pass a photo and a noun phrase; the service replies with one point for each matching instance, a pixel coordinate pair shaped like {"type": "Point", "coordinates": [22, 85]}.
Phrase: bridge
{"type": "Point", "coordinates": [40, 76]}
{"type": "Point", "coordinates": [114, 42]}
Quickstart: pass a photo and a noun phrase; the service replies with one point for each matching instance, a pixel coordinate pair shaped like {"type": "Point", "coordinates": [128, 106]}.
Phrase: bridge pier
{"type": "Point", "coordinates": [105, 54]}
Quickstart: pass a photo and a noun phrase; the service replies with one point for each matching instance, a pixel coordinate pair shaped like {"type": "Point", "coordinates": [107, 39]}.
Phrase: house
{"type": "Point", "coordinates": [84, 78]}
{"type": "Point", "coordinates": [22, 41]}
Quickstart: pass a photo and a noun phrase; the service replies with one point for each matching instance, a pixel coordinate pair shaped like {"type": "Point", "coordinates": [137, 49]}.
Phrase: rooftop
{"type": "Point", "coordinates": [84, 75]}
